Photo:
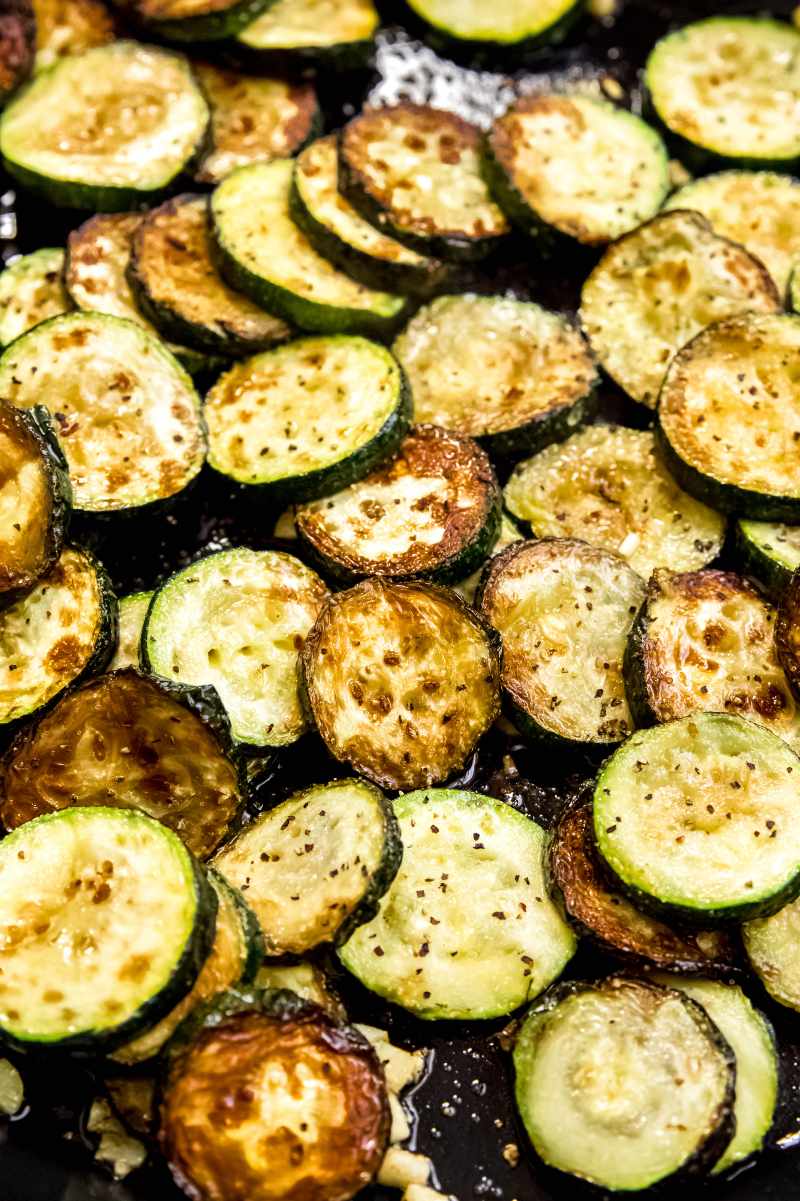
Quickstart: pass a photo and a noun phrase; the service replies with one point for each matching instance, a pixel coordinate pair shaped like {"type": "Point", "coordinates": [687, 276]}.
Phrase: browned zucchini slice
{"type": "Point", "coordinates": [787, 633]}
{"type": "Point", "coordinates": [433, 510]}
{"type": "Point", "coordinates": [253, 119]}
{"type": "Point", "coordinates": [402, 681]}
{"type": "Point", "coordinates": [610, 920]}
{"type": "Point", "coordinates": [128, 741]}
{"type": "Point", "coordinates": [17, 44]}
{"type": "Point", "coordinates": [31, 290]}
{"type": "Point", "coordinates": [193, 20]}
{"type": "Point", "coordinates": [268, 1098]}
{"type": "Point", "coordinates": [414, 172]}
{"type": "Point", "coordinates": [69, 27]}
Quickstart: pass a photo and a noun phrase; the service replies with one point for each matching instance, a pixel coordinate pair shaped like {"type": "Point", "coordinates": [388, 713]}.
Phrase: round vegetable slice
{"type": "Point", "coordinates": [433, 510]}
{"type": "Point", "coordinates": [772, 945]}
{"type": "Point", "coordinates": [787, 633]}
{"type": "Point", "coordinates": [503, 370]}
{"type": "Point", "coordinates": [628, 1124]}
{"type": "Point", "coordinates": [263, 254]}
{"type": "Point", "coordinates": [401, 680]}
{"type": "Point", "coordinates": [770, 551]}
{"type": "Point", "coordinates": [414, 172]}
{"type": "Point", "coordinates": [127, 415]}
{"type": "Point", "coordinates": [132, 612]}
{"type": "Point", "coordinates": [575, 166]}
{"type": "Point", "coordinates": [297, 34]}
{"type": "Point", "coordinates": [609, 918]}
{"type": "Point", "coordinates": [696, 818]}
{"type": "Point", "coordinates": [69, 27]}
{"type": "Point", "coordinates": [659, 286]}
{"type": "Point", "coordinates": [106, 920]}
{"type": "Point", "coordinates": [311, 1116]}
{"type": "Point", "coordinates": [264, 431]}
{"type": "Point", "coordinates": [564, 610]}
{"type": "Point", "coordinates": [510, 25]}
{"type": "Point", "coordinates": [31, 290]}
{"type": "Point", "coordinates": [466, 929]}
{"type": "Point", "coordinates": [237, 620]}
{"type": "Point", "coordinates": [174, 279]}
{"type": "Point", "coordinates": [128, 741]}
{"type": "Point", "coordinates": [314, 867]}
{"type": "Point", "coordinates": [35, 500]}
{"type": "Point", "coordinates": [728, 413]}
{"type": "Point", "coordinates": [194, 20]}
{"type": "Point", "coordinates": [105, 128]}
{"type": "Point", "coordinates": [608, 486]}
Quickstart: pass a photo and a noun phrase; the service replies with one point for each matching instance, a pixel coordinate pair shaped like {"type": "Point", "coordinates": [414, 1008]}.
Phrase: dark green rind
{"type": "Point", "coordinates": [18, 35]}
{"type": "Point", "coordinates": [787, 621]}
{"type": "Point", "coordinates": [633, 673]}
{"type": "Point", "coordinates": [207, 27]}
{"type": "Point", "coordinates": [555, 425]}
{"type": "Point", "coordinates": [774, 576]}
{"type": "Point", "coordinates": [497, 54]}
{"type": "Point", "coordinates": [302, 60]}
{"type": "Point", "coordinates": [91, 1043]}
{"type": "Point", "coordinates": [253, 943]}
{"type": "Point", "coordinates": [548, 240]}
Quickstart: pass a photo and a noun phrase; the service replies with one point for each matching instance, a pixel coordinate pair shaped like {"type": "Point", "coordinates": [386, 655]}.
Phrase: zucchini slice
{"type": "Point", "coordinates": [263, 254]}
{"type": "Point", "coordinates": [604, 915]}
{"type": "Point", "coordinates": [106, 920]}
{"type": "Point", "coordinates": [402, 680]}
{"type": "Point", "coordinates": [193, 20]}
{"type": "Point", "coordinates": [232, 961]}
{"type": "Point", "coordinates": [757, 1069]}
{"type": "Point", "coordinates": [564, 610]}
{"type": "Point", "coordinates": [787, 633]}
{"type": "Point", "coordinates": [35, 500]}
{"type": "Point", "coordinates": [727, 90]}
{"type": "Point", "coordinates": [339, 233]}
{"type": "Point", "coordinates": [704, 642]}
{"type": "Point", "coordinates": [127, 415]}
{"type": "Point", "coordinates": [106, 128]}
{"type": "Point", "coordinates": [508, 25]}
{"type": "Point", "coordinates": [308, 418]}
{"type": "Point", "coordinates": [467, 929]}
{"type": "Point", "coordinates": [17, 46]}
{"type": "Point", "coordinates": [757, 209]}
{"type": "Point", "coordinates": [575, 166]}
{"type": "Point", "coordinates": [69, 27]}
{"type": "Point", "coordinates": [132, 612]}
{"type": "Point", "coordinates": [310, 1116]}
{"type": "Point", "coordinates": [306, 979]}
{"type": "Point", "coordinates": [65, 628]}
{"type": "Point", "coordinates": [127, 741]}
{"type": "Point", "coordinates": [431, 511]}
{"type": "Point", "coordinates": [624, 1083]}
{"type": "Point", "coordinates": [414, 172]}
{"type": "Point", "coordinates": [659, 286]}
{"type": "Point", "coordinates": [503, 370]}
{"type": "Point", "coordinates": [314, 867]}
{"type": "Point", "coordinates": [773, 949]}
{"type": "Point", "coordinates": [728, 413]}
{"type": "Point", "coordinates": [697, 818]}
{"type": "Point", "coordinates": [31, 290]}
{"type": "Point", "coordinates": [770, 551]}
{"type": "Point", "coordinates": [608, 486]}
{"type": "Point", "coordinates": [253, 119]}
{"type": "Point", "coordinates": [237, 619]}
{"type": "Point", "coordinates": [311, 33]}
{"type": "Point", "coordinates": [177, 285]}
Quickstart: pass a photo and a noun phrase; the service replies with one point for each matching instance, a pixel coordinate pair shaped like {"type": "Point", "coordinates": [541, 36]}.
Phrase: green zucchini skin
{"type": "Point", "coordinates": [485, 52]}
{"type": "Point", "coordinates": [352, 53]}
{"type": "Point", "coordinates": [251, 931]}
{"type": "Point", "coordinates": [303, 60]}
{"type": "Point", "coordinates": [206, 27]}
{"type": "Point", "coordinates": [755, 561]}
{"type": "Point", "coordinates": [633, 672]}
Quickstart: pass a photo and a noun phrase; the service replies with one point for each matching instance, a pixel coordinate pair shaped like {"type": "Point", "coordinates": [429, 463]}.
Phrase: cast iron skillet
{"type": "Point", "coordinates": [465, 1115]}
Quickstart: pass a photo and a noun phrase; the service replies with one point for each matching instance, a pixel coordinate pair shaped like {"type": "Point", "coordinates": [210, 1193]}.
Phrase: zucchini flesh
{"type": "Point", "coordinates": [751, 1037]}
{"type": "Point", "coordinates": [133, 1099]}
{"type": "Point", "coordinates": [584, 168]}
{"type": "Point", "coordinates": [128, 741]}
{"type": "Point", "coordinates": [624, 1084]}
{"type": "Point", "coordinates": [314, 867]}
{"type": "Point", "coordinates": [132, 612]}
{"type": "Point", "coordinates": [607, 486]}
{"type": "Point", "coordinates": [65, 627]}
{"type": "Point", "coordinates": [507, 23]}
{"type": "Point", "coordinates": [103, 939]}
{"type": "Point", "coordinates": [263, 430]}
{"type": "Point", "coordinates": [253, 119]}
{"type": "Point", "coordinates": [772, 946]}
{"type": "Point", "coordinates": [69, 27]}
{"type": "Point", "coordinates": [467, 929]}
{"type": "Point", "coordinates": [433, 510]}
{"type": "Point", "coordinates": [127, 415]}
{"type": "Point", "coordinates": [503, 370]}
{"type": "Point", "coordinates": [728, 89]}
{"type": "Point", "coordinates": [34, 500]}
{"type": "Point", "coordinates": [195, 20]}
{"type": "Point", "coordinates": [312, 27]}
{"type": "Point", "coordinates": [564, 610]}
{"type": "Point", "coordinates": [757, 209]}
{"type": "Point", "coordinates": [311, 1113]}
{"type": "Point", "coordinates": [237, 620]}
{"type": "Point", "coordinates": [696, 817]}
{"type": "Point", "coordinates": [263, 254]}
{"type": "Point", "coordinates": [787, 633]}
{"type": "Point", "coordinates": [414, 171]}
{"type": "Point", "coordinates": [609, 918]}
{"type": "Point", "coordinates": [770, 551]}
{"type": "Point", "coordinates": [106, 127]}
{"type": "Point", "coordinates": [728, 413]}
{"type": "Point", "coordinates": [402, 680]}
{"type": "Point", "coordinates": [658, 287]}
{"type": "Point", "coordinates": [704, 641]}
{"type": "Point", "coordinates": [31, 290]}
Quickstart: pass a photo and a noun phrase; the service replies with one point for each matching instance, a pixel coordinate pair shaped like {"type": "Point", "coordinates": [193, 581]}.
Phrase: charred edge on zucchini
{"type": "Point", "coordinates": [193, 20]}
{"type": "Point", "coordinates": [31, 290]}
{"type": "Point", "coordinates": [300, 35]}
{"type": "Point", "coordinates": [787, 633]}
{"type": "Point", "coordinates": [769, 551]}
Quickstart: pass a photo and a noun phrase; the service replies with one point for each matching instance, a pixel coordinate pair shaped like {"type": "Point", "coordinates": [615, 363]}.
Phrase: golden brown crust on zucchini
{"type": "Point", "coordinates": [69, 27]}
